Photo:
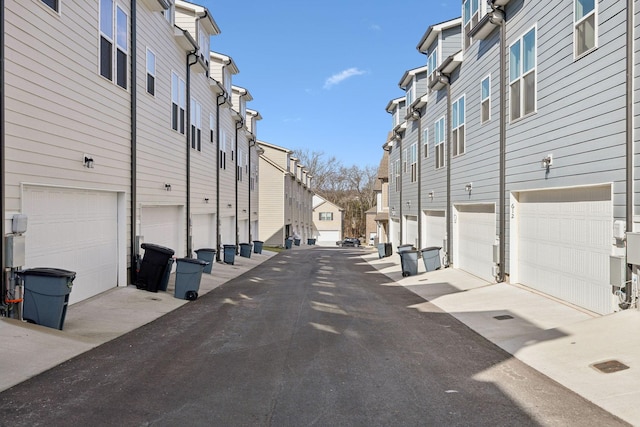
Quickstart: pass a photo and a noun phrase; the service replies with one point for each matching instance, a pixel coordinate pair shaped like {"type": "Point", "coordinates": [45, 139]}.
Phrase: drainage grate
{"type": "Point", "coordinates": [503, 317]}
{"type": "Point", "coordinates": [610, 366]}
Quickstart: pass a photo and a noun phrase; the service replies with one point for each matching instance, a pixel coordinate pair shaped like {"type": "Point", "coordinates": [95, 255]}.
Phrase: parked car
{"type": "Point", "coordinates": [350, 242]}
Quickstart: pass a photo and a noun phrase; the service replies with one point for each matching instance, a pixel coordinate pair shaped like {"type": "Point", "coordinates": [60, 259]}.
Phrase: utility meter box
{"type": "Point", "coordinates": [633, 248]}
{"type": "Point", "coordinates": [15, 251]}
{"type": "Point", "coordinates": [617, 271]}
{"type": "Point", "coordinates": [19, 224]}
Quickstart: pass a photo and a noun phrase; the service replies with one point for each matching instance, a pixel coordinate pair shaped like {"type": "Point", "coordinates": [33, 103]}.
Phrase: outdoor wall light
{"type": "Point", "coordinates": [229, 205]}
{"type": "Point", "coordinates": [547, 161]}
{"type": "Point", "coordinates": [244, 210]}
{"type": "Point", "coordinates": [431, 195]}
{"type": "Point", "coordinates": [206, 200]}
{"type": "Point", "coordinates": [167, 186]}
{"type": "Point", "coordinates": [468, 187]}
{"type": "Point", "coordinates": [408, 202]}
{"type": "Point", "coordinates": [88, 161]}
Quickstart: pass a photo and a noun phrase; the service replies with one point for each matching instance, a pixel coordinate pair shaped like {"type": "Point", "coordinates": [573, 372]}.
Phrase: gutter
{"type": "Point", "coordinates": [629, 122]}
{"type": "Point", "coordinates": [193, 53]}
{"type": "Point", "coordinates": [2, 145]}
{"type": "Point", "coordinates": [449, 149]}
{"type": "Point", "coordinates": [134, 146]}
{"type": "Point", "coordinates": [239, 125]}
{"type": "Point", "coordinates": [218, 160]}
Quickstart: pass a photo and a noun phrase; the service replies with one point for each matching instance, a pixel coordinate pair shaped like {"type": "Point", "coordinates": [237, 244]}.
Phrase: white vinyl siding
{"type": "Point", "coordinates": [522, 73]}
{"type": "Point", "coordinates": [585, 26]}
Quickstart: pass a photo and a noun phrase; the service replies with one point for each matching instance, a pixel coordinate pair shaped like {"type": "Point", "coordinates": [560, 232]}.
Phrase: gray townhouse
{"type": "Point", "coordinates": [124, 128]}
{"type": "Point", "coordinates": [527, 150]}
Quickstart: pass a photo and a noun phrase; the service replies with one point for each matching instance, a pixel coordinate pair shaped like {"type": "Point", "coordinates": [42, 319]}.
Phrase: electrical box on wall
{"type": "Point", "coordinates": [617, 270]}
{"type": "Point", "coordinates": [15, 251]}
{"type": "Point", "coordinates": [19, 224]}
{"type": "Point", "coordinates": [619, 229]}
{"type": "Point", "coordinates": [633, 248]}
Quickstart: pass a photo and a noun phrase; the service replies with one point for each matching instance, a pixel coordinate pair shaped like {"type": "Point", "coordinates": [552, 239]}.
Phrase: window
{"type": "Point", "coordinates": [472, 10]}
{"type": "Point", "coordinates": [107, 26]}
{"type": "Point", "coordinates": [425, 143]}
{"type": "Point", "coordinates": [226, 76]}
{"type": "Point", "coordinates": [222, 155]}
{"type": "Point", "coordinates": [485, 99]}
{"type": "Point", "coordinates": [397, 177]}
{"type": "Point", "coordinates": [325, 216]}
{"type": "Point", "coordinates": [404, 161]}
{"type": "Point", "coordinates": [178, 103]}
{"type": "Point", "coordinates": [240, 164]}
{"type": "Point", "coordinates": [584, 31]}
{"type": "Point", "coordinates": [151, 72]}
{"type": "Point", "coordinates": [440, 142]}
{"type": "Point", "coordinates": [522, 75]}
{"type": "Point", "coordinates": [409, 95]}
{"type": "Point", "coordinates": [432, 61]}
{"type": "Point", "coordinates": [457, 122]}
{"type": "Point", "coordinates": [396, 117]}
{"type": "Point", "coordinates": [413, 161]}
{"type": "Point", "coordinates": [53, 4]}
{"type": "Point", "coordinates": [169, 14]}
{"type": "Point", "coordinates": [196, 125]}
{"type": "Point", "coordinates": [212, 123]}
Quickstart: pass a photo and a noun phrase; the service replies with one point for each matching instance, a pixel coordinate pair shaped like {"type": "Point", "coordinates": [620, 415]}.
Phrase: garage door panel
{"type": "Point", "coordinates": [564, 245]}
{"type": "Point", "coordinates": [160, 225]}
{"type": "Point", "coordinates": [203, 229]}
{"type": "Point", "coordinates": [476, 231]}
{"type": "Point", "coordinates": [74, 230]}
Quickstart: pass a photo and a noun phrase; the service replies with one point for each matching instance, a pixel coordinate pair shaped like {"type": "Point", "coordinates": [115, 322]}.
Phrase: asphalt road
{"type": "Point", "coordinates": [309, 338]}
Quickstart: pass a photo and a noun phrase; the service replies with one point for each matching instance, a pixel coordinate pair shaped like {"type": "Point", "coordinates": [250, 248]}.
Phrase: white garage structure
{"type": "Point", "coordinates": [163, 225]}
{"type": "Point", "coordinates": [79, 230]}
{"type": "Point", "coordinates": [328, 237]}
{"type": "Point", "coordinates": [203, 231]}
{"type": "Point", "coordinates": [411, 230]}
{"type": "Point", "coordinates": [561, 241]}
{"type": "Point", "coordinates": [474, 234]}
{"type": "Point", "coordinates": [435, 230]}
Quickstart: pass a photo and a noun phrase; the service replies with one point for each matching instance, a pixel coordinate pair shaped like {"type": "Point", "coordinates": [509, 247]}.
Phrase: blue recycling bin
{"type": "Point", "coordinates": [245, 250]}
{"type": "Point", "coordinates": [296, 242]}
{"type": "Point", "coordinates": [409, 262]}
{"type": "Point", "coordinates": [208, 255]}
{"type": "Point", "coordinates": [288, 243]}
{"type": "Point", "coordinates": [164, 283]}
{"type": "Point", "coordinates": [388, 249]}
{"type": "Point", "coordinates": [405, 247]}
{"type": "Point", "coordinates": [431, 258]}
{"type": "Point", "coordinates": [153, 266]}
{"type": "Point", "coordinates": [188, 277]}
{"type": "Point", "coordinates": [381, 250]}
{"type": "Point", "coordinates": [229, 254]}
{"type": "Point", "coordinates": [46, 295]}
{"type": "Point", "coordinates": [257, 246]}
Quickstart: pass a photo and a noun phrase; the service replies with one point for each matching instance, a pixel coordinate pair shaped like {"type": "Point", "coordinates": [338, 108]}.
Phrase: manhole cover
{"type": "Point", "coordinates": [610, 366]}
{"type": "Point", "coordinates": [503, 317]}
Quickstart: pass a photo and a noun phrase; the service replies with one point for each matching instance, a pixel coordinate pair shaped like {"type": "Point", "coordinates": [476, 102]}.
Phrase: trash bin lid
{"type": "Point", "coordinates": [245, 244]}
{"type": "Point", "coordinates": [258, 241]}
{"type": "Point", "coordinates": [229, 246]}
{"type": "Point", "coordinates": [206, 250]}
{"type": "Point", "coordinates": [157, 248]}
{"type": "Point", "coordinates": [49, 272]}
{"type": "Point", "coordinates": [431, 248]}
{"type": "Point", "coordinates": [192, 261]}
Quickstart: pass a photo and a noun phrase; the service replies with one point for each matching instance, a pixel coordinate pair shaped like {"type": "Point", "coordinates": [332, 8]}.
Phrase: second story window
{"type": "Point", "coordinates": [325, 216]}
{"type": "Point", "coordinates": [409, 95]}
{"type": "Point", "coordinates": [178, 103]}
{"type": "Point", "coordinates": [432, 61]}
{"type": "Point", "coordinates": [151, 72]}
{"type": "Point", "coordinates": [439, 142]}
{"type": "Point", "coordinates": [106, 39]}
{"type": "Point", "coordinates": [114, 43]}
{"type": "Point", "coordinates": [222, 155]}
{"type": "Point", "coordinates": [485, 99]}
{"type": "Point", "coordinates": [397, 177]}
{"type": "Point", "coordinates": [413, 161]}
{"type": "Point", "coordinates": [584, 26]}
{"type": "Point", "coordinates": [404, 161]}
{"type": "Point", "coordinates": [396, 117]}
{"type": "Point", "coordinates": [457, 122]}
{"type": "Point", "coordinates": [53, 4]}
{"type": "Point", "coordinates": [425, 143]}
{"type": "Point", "coordinates": [196, 125]}
{"type": "Point", "coordinates": [212, 127]}
{"type": "Point", "coordinates": [169, 14]}
{"type": "Point", "coordinates": [522, 75]}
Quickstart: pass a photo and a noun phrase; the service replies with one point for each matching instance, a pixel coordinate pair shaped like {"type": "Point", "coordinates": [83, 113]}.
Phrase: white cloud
{"type": "Point", "coordinates": [342, 76]}
{"type": "Point", "coordinates": [375, 27]}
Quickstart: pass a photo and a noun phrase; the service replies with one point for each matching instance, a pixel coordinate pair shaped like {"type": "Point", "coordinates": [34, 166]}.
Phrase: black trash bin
{"type": "Point", "coordinates": [288, 243]}
{"type": "Point", "coordinates": [46, 295]}
{"type": "Point", "coordinates": [431, 258]}
{"type": "Point", "coordinates": [257, 246]}
{"type": "Point", "coordinates": [152, 268]}
{"type": "Point", "coordinates": [388, 249]}
{"type": "Point", "coordinates": [409, 262]}
{"type": "Point", "coordinates": [296, 242]}
{"type": "Point", "coordinates": [188, 277]}
{"type": "Point", "coordinates": [208, 255]}
{"type": "Point", "coordinates": [229, 254]}
{"type": "Point", "coordinates": [245, 250]}
{"type": "Point", "coordinates": [311, 242]}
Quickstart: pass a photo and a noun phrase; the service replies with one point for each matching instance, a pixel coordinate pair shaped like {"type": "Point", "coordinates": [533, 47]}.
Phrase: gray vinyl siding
{"type": "Point", "coordinates": [434, 179]}
{"type": "Point", "coordinates": [451, 42]}
{"type": "Point", "coordinates": [636, 108]}
{"type": "Point", "coordinates": [394, 195]}
{"type": "Point", "coordinates": [580, 116]}
{"type": "Point", "coordinates": [409, 189]}
{"type": "Point", "coordinates": [421, 85]}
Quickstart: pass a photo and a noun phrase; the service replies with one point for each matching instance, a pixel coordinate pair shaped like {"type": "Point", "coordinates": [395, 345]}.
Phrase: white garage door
{"type": "Point", "coordinates": [474, 237]}
{"type": "Point", "coordinates": [203, 229]}
{"type": "Point", "coordinates": [328, 236]}
{"type": "Point", "coordinates": [228, 230]}
{"type": "Point", "coordinates": [435, 230]}
{"type": "Point", "coordinates": [564, 242]}
{"type": "Point", "coordinates": [411, 230]}
{"type": "Point", "coordinates": [74, 230]}
{"type": "Point", "coordinates": [162, 225]}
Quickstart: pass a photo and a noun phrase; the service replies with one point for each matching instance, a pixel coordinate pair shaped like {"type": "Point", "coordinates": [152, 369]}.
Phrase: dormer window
{"type": "Point", "coordinates": [410, 95]}
{"type": "Point", "coordinates": [226, 77]}
{"type": "Point", "coordinates": [243, 108]}
{"type": "Point", "coordinates": [432, 61]}
{"type": "Point", "coordinates": [169, 14]}
{"type": "Point", "coordinates": [472, 12]}
{"type": "Point", "coordinates": [203, 43]}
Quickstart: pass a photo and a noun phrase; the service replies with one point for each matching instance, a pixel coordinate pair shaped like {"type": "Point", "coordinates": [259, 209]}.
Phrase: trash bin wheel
{"type": "Point", "coordinates": [405, 274]}
{"type": "Point", "coordinates": [191, 295]}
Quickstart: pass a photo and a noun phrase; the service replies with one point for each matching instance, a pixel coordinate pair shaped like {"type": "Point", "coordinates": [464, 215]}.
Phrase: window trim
{"type": "Point", "coordinates": [577, 22]}
{"type": "Point", "coordinates": [180, 102]}
{"type": "Point", "coordinates": [196, 125]}
{"type": "Point", "coordinates": [51, 8]}
{"type": "Point", "coordinates": [124, 49]}
{"type": "Point", "coordinates": [457, 124]}
{"type": "Point", "coordinates": [522, 75]}
{"type": "Point", "coordinates": [149, 73]}
{"type": "Point", "coordinates": [440, 128]}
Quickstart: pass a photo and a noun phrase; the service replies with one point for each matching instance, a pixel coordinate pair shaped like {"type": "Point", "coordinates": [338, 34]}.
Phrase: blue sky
{"type": "Point", "coordinates": [322, 72]}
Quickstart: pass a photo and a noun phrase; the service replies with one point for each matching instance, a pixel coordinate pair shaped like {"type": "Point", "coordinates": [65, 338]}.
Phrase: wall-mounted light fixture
{"type": "Point", "coordinates": [431, 194]}
{"type": "Point", "coordinates": [167, 186]}
{"type": "Point", "coordinates": [408, 203]}
{"type": "Point", "coordinates": [443, 79]}
{"type": "Point", "coordinates": [393, 210]}
{"type": "Point", "coordinates": [244, 210]}
{"type": "Point", "coordinates": [415, 114]}
{"type": "Point", "coordinates": [206, 200]}
{"type": "Point", "coordinates": [229, 205]}
{"type": "Point", "coordinates": [88, 161]}
{"type": "Point", "coordinates": [468, 187]}
{"type": "Point", "coordinates": [547, 161]}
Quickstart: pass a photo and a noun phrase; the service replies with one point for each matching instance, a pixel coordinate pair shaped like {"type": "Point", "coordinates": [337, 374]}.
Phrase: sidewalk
{"type": "Point", "coordinates": [557, 339]}
{"type": "Point", "coordinates": [29, 349]}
